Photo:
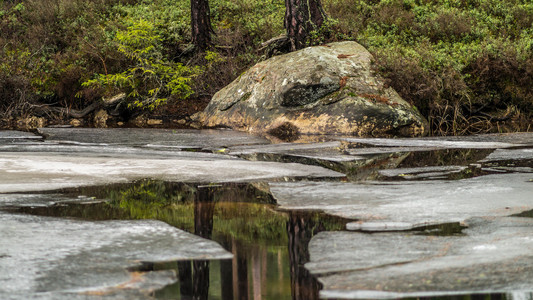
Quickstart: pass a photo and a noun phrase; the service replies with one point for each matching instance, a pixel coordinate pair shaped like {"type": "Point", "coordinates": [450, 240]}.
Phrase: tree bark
{"type": "Point", "coordinates": [201, 24]}
{"type": "Point", "coordinates": [302, 17]}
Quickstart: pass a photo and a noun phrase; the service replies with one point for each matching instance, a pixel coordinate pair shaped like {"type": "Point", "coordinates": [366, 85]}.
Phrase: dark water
{"type": "Point", "coordinates": [270, 247]}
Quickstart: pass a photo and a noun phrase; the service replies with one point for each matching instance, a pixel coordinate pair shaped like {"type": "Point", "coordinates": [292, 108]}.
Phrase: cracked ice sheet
{"type": "Point", "coordinates": [23, 172]}
{"type": "Point", "coordinates": [152, 138]}
{"type": "Point", "coordinates": [382, 206]}
{"type": "Point", "coordinates": [494, 256]}
{"type": "Point", "coordinates": [53, 258]}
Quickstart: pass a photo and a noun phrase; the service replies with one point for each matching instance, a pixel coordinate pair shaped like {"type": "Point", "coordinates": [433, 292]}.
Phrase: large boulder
{"type": "Point", "coordinates": [329, 89]}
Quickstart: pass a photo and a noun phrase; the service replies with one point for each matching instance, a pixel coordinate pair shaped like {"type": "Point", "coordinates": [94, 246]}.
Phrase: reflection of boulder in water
{"type": "Point", "coordinates": [286, 132]}
{"type": "Point", "coordinates": [328, 89]}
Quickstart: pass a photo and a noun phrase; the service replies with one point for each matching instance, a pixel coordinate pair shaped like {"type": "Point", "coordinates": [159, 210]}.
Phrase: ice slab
{"type": "Point", "coordinates": [326, 151]}
{"type": "Point", "coordinates": [510, 154]}
{"type": "Point", "coordinates": [107, 150]}
{"type": "Point", "coordinates": [494, 256]}
{"type": "Point", "coordinates": [50, 258]}
{"type": "Point", "coordinates": [10, 136]}
{"type": "Point", "coordinates": [432, 143]}
{"type": "Point", "coordinates": [417, 203]}
{"type": "Point", "coordinates": [22, 172]}
{"type": "Point", "coordinates": [481, 141]}
{"type": "Point", "coordinates": [179, 138]}
{"type": "Point", "coordinates": [422, 172]}
{"type": "Point", "coordinates": [331, 155]}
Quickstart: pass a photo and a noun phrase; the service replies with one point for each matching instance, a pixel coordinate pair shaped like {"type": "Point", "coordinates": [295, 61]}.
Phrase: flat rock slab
{"type": "Point", "coordinates": [22, 172]}
{"type": "Point", "coordinates": [419, 203]}
{"type": "Point", "coordinates": [493, 256]}
{"type": "Point", "coordinates": [50, 258]}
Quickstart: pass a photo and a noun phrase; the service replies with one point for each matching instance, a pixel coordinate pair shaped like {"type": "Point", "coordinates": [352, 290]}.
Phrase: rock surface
{"type": "Point", "coordinates": [327, 89]}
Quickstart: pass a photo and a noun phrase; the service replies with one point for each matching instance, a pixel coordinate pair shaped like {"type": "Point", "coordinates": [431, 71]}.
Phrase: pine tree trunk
{"type": "Point", "coordinates": [302, 17]}
{"type": "Point", "coordinates": [200, 24]}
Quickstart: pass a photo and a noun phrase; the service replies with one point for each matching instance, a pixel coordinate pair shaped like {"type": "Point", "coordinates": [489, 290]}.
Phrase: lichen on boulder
{"type": "Point", "coordinates": [329, 89]}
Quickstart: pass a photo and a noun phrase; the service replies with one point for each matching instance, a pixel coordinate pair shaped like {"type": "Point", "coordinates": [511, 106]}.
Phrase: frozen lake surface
{"type": "Point", "coordinates": [102, 213]}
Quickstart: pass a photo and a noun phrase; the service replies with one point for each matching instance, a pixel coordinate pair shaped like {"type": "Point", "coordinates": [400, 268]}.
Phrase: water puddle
{"type": "Point", "coordinates": [270, 247]}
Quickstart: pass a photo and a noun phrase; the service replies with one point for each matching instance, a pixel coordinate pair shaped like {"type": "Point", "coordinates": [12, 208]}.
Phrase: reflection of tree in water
{"type": "Point", "coordinates": [301, 229]}
{"type": "Point", "coordinates": [194, 284]}
{"type": "Point", "coordinates": [242, 219]}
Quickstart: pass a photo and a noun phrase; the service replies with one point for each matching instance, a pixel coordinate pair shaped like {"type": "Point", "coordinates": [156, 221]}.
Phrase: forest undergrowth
{"type": "Point", "coordinates": [466, 65]}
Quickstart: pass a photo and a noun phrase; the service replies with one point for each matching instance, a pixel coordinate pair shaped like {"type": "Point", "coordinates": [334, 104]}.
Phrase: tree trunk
{"type": "Point", "coordinates": [200, 24]}
{"type": "Point", "coordinates": [302, 17]}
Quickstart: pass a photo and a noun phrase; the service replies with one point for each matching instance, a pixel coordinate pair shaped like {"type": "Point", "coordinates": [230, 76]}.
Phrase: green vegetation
{"type": "Point", "coordinates": [240, 210]}
{"type": "Point", "coordinates": [150, 75]}
{"type": "Point", "coordinates": [467, 65]}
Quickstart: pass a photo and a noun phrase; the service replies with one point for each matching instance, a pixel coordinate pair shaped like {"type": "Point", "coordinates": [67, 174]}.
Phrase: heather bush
{"type": "Point", "coordinates": [466, 64]}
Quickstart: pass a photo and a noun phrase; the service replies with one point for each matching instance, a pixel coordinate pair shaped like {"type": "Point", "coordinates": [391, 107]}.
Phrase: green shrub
{"type": "Point", "coordinates": [150, 78]}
